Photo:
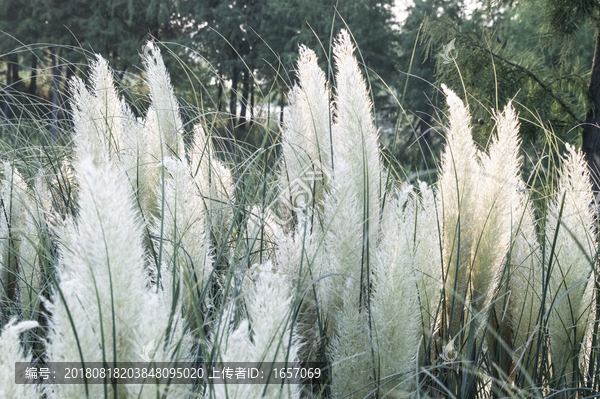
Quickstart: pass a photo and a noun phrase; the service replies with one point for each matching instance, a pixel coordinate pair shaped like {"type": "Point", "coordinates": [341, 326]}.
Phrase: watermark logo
{"type": "Point", "coordinates": [149, 352]}
{"type": "Point", "coordinates": [448, 354]}
{"type": "Point", "coordinates": [447, 52]}
{"type": "Point", "coordinates": [299, 193]}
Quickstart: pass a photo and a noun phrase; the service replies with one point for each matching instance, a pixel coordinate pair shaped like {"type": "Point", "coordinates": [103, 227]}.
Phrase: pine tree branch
{"type": "Point", "coordinates": [544, 86]}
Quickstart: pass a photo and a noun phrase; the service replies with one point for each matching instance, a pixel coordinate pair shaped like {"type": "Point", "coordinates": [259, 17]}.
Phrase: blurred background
{"type": "Point", "coordinates": [232, 61]}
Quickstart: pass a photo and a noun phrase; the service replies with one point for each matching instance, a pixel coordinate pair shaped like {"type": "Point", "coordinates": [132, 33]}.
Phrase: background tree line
{"type": "Point", "coordinates": [239, 53]}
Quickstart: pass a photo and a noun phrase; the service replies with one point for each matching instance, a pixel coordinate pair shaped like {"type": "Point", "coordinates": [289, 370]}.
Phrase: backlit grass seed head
{"type": "Point", "coordinates": [306, 137]}
{"type": "Point", "coordinates": [344, 246]}
{"type": "Point", "coordinates": [184, 234]}
{"type": "Point", "coordinates": [458, 187]}
{"type": "Point", "coordinates": [215, 185]}
{"type": "Point", "coordinates": [10, 353]}
{"type": "Point", "coordinates": [37, 205]}
{"type": "Point", "coordinates": [97, 115]}
{"type": "Point", "coordinates": [428, 256]}
{"type": "Point", "coordinates": [497, 208]}
{"type": "Point", "coordinates": [352, 207]}
{"type": "Point", "coordinates": [263, 336]}
{"type": "Point", "coordinates": [269, 311]}
{"type": "Point", "coordinates": [103, 88]}
{"type": "Point", "coordinates": [15, 202]}
{"type": "Point", "coordinates": [168, 126]}
{"type": "Point", "coordinates": [525, 303]}
{"type": "Point", "coordinates": [354, 135]}
{"type": "Point", "coordinates": [350, 349]}
{"type": "Point", "coordinates": [396, 311]}
{"type": "Point", "coordinates": [295, 153]}
{"type": "Point", "coordinates": [300, 257]}
{"type": "Point", "coordinates": [104, 283]}
{"type": "Point", "coordinates": [317, 109]}
{"type": "Point", "coordinates": [352, 225]}
{"type": "Point", "coordinates": [573, 260]}
{"type": "Point", "coordinates": [296, 161]}
{"type": "Point", "coordinates": [152, 159]}
{"type": "Point", "coordinates": [132, 157]}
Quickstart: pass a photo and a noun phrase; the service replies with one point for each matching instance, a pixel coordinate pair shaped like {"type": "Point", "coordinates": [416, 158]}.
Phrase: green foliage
{"type": "Point", "coordinates": [541, 60]}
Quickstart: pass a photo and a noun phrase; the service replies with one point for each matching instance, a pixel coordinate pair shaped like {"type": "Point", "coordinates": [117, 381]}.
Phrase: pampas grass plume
{"type": "Point", "coordinates": [103, 284]}
{"type": "Point", "coordinates": [457, 185]}
{"type": "Point", "coordinates": [10, 353]}
{"type": "Point", "coordinates": [168, 126]}
{"type": "Point", "coordinates": [572, 265]}
{"type": "Point", "coordinates": [497, 208]}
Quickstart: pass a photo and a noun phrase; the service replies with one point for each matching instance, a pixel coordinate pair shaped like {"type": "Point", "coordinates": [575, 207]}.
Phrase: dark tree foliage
{"type": "Point", "coordinates": [538, 53]}
{"type": "Point", "coordinates": [249, 41]}
{"type": "Point", "coordinates": [416, 140]}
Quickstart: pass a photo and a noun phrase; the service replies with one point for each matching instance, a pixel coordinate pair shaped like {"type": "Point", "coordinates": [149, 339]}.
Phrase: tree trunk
{"type": "Point", "coordinates": [33, 77]}
{"type": "Point", "coordinates": [14, 60]}
{"type": "Point", "coordinates": [245, 94]}
{"type": "Point", "coordinates": [591, 129]}
{"type": "Point", "coordinates": [233, 98]}
{"type": "Point", "coordinates": [8, 73]}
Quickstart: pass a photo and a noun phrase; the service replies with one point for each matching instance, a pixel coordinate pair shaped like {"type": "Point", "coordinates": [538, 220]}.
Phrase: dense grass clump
{"type": "Point", "coordinates": [144, 233]}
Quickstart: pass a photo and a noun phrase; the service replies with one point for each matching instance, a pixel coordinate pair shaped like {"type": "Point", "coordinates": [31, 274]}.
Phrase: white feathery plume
{"type": "Point", "coordinates": [168, 127]}
{"type": "Point", "coordinates": [88, 139]}
{"type": "Point", "coordinates": [106, 128]}
{"type": "Point", "coordinates": [163, 128]}
{"type": "Point", "coordinates": [344, 246]}
{"type": "Point", "coordinates": [152, 160]}
{"type": "Point", "coordinates": [497, 208]}
{"type": "Point", "coordinates": [395, 306]}
{"type": "Point", "coordinates": [306, 143]}
{"type": "Point", "coordinates": [458, 187]}
{"type": "Point", "coordinates": [10, 353]}
{"type": "Point", "coordinates": [234, 348]}
{"type": "Point", "coordinates": [215, 185]}
{"type": "Point", "coordinates": [132, 146]}
{"type": "Point", "coordinates": [350, 349]}
{"type": "Point", "coordinates": [184, 236]}
{"type": "Point", "coordinates": [97, 115]}
{"type": "Point", "coordinates": [525, 302]}
{"type": "Point", "coordinates": [269, 301]}
{"type": "Point", "coordinates": [353, 207]}
{"type": "Point", "coordinates": [12, 223]}
{"type": "Point", "coordinates": [317, 109]}
{"type": "Point", "coordinates": [107, 101]}
{"type": "Point", "coordinates": [572, 265]}
{"type": "Point", "coordinates": [269, 311]}
{"type": "Point", "coordinates": [355, 138]}
{"type": "Point", "coordinates": [260, 227]}
{"type": "Point", "coordinates": [294, 149]}
{"type": "Point", "coordinates": [103, 286]}
{"type": "Point", "coordinates": [428, 258]}
{"type": "Point", "coordinates": [36, 207]}
{"type": "Point", "coordinates": [300, 256]}
{"type": "Point", "coordinates": [352, 214]}
{"type": "Point", "coordinates": [296, 190]}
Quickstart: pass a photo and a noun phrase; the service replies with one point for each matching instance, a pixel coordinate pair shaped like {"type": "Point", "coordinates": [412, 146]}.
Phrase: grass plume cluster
{"type": "Point", "coordinates": [144, 231]}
